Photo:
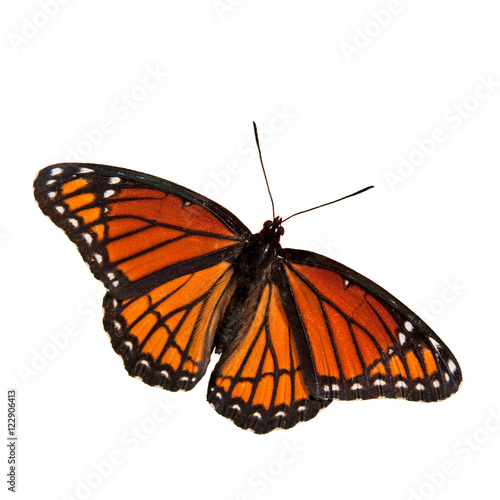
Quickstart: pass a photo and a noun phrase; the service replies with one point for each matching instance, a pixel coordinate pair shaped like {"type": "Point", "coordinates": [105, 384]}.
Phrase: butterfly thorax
{"type": "Point", "coordinates": [253, 269]}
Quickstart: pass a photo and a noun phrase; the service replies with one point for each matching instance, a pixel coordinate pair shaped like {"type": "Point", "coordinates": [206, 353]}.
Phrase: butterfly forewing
{"type": "Point", "coordinates": [356, 341]}
{"type": "Point", "coordinates": [136, 231]}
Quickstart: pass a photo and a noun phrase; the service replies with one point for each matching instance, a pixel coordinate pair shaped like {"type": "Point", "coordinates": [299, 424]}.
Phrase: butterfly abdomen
{"type": "Point", "coordinates": [252, 271]}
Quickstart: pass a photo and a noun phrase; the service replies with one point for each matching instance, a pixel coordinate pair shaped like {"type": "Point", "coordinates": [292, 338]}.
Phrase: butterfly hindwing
{"type": "Point", "coordinates": [258, 382]}
{"type": "Point", "coordinates": [134, 230]}
{"type": "Point", "coordinates": [356, 341]}
{"type": "Point", "coordinates": [166, 336]}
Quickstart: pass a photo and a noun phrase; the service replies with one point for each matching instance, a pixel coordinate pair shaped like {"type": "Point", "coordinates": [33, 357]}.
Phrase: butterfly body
{"type": "Point", "coordinates": [253, 269]}
{"type": "Point", "coordinates": [186, 278]}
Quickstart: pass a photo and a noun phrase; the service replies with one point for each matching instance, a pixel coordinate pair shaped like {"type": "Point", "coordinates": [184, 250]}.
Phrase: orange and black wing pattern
{"type": "Point", "coordinates": [356, 341]}
{"type": "Point", "coordinates": [165, 254]}
{"type": "Point", "coordinates": [258, 382]}
{"type": "Point", "coordinates": [184, 275]}
{"type": "Point", "coordinates": [166, 336]}
{"type": "Point", "coordinates": [134, 230]}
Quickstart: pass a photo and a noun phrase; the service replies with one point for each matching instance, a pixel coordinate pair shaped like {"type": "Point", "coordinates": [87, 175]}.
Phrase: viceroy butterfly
{"type": "Point", "coordinates": [295, 330]}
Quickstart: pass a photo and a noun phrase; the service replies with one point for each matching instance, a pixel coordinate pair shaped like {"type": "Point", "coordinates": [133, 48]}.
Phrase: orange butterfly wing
{"type": "Point", "coordinates": [258, 382]}
{"type": "Point", "coordinates": [356, 341]}
{"type": "Point", "coordinates": [164, 253]}
{"type": "Point", "coordinates": [166, 336]}
{"type": "Point", "coordinates": [135, 230]}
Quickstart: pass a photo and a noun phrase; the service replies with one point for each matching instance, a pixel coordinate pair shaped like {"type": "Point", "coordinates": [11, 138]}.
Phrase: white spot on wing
{"type": "Point", "coordinates": [108, 193]}
{"type": "Point", "coordinates": [408, 326]}
{"type": "Point", "coordinates": [52, 194]}
{"type": "Point", "coordinates": [335, 387]}
{"type": "Point", "coordinates": [114, 180]}
{"type": "Point", "coordinates": [50, 181]}
{"type": "Point", "coordinates": [379, 382]}
{"type": "Point", "coordinates": [236, 407]}
{"type": "Point", "coordinates": [98, 258]}
{"type": "Point", "coordinates": [60, 209]}
{"type": "Point", "coordinates": [447, 377]}
{"type": "Point", "coordinates": [165, 374]}
{"type": "Point", "coordinates": [73, 222]}
{"type": "Point", "coordinates": [115, 283]}
{"type": "Point", "coordinates": [436, 383]}
{"type": "Point", "coordinates": [144, 362]}
{"type": "Point", "coordinates": [435, 343]}
{"type": "Point", "coordinates": [402, 338]}
{"type": "Point", "coordinates": [301, 408]}
{"type": "Point", "coordinates": [280, 414]}
{"type": "Point", "coordinates": [356, 387]}
{"type": "Point", "coordinates": [401, 384]}
{"type": "Point", "coordinates": [87, 237]}
{"type": "Point", "coordinates": [419, 387]}
{"type": "Point", "coordinates": [452, 366]}
{"type": "Point", "coordinates": [56, 171]}
{"type": "Point", "coordinates": [85, 170]}
{"type": "Point", "coordinates": [111, 275]}
{"type": "Point", "coordinates": [257, 415]}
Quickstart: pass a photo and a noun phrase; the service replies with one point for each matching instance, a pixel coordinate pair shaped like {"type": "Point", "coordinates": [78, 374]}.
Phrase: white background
{"type": "Point", "coordinates": [354, 106]}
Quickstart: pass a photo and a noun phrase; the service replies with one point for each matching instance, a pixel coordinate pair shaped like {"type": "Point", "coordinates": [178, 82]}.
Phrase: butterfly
{"type": "Point", "coordinates": [295, 330]}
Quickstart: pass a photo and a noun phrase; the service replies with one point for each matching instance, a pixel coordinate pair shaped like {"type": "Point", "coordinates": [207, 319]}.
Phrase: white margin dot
{"type": "Point", "coordinates": [408, 326]}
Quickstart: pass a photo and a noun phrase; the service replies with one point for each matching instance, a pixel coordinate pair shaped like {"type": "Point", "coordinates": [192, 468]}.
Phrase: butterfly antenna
{"type": "Point", "coordinates": [330, 202]}
{"type": "Point", "coordinates": [263, 169]}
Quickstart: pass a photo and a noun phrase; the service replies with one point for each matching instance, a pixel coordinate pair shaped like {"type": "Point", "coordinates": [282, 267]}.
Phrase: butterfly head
{"type": "Point", "coordinates": [273, 229]}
